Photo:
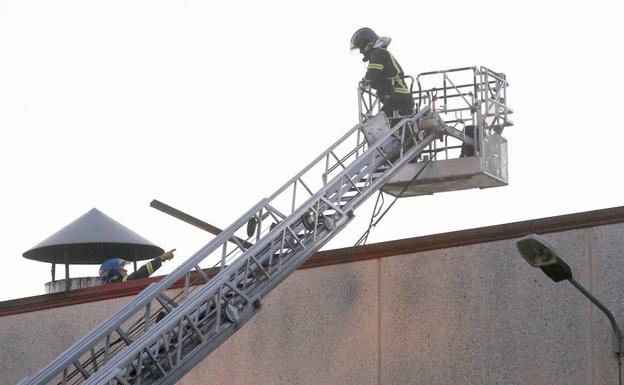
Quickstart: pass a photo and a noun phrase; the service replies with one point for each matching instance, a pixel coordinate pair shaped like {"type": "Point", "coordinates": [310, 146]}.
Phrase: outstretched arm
{"type": "Point", "coordinates": [150, 267]}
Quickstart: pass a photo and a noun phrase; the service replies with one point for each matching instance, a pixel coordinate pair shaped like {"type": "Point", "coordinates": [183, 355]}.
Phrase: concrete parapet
{"type": "Point", "coordinates": [74, 284]}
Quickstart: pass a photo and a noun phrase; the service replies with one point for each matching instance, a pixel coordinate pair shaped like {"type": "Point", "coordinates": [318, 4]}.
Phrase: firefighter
{"type": "Point", "coordinates": [384, 73]}
{"type": "Point", "coordinates": [112, 270]}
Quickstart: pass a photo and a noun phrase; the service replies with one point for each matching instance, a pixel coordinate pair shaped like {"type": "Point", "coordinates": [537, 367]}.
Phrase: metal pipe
{"type": "Point", "coordinates": [66, 277]}
{"type": "Point", "coordinates": [611, 318]}
{"type": "Point", "coordinates": [158, 205]}
{"type": "Point", "coordinates": [447, 71]}
{"type": "Point", "coordinates": [494, 75]}
{"type": "Point", "coordinates": [609, 315]}
{"type": "Point", "coordinates": [467, 85]}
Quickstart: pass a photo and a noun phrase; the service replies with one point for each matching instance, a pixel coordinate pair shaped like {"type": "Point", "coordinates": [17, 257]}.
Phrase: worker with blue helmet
{"type": "Point", "coordinates": [113, 269]}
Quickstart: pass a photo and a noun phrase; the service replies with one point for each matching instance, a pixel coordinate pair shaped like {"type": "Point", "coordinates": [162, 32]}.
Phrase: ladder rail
{"type": "Point", "coordinates": [124, 360]}
{"type": "Point", "coordinates": [108, 327]}
{"type": "Point", "coordinates": [75, 351]}
{"type": "Point", "coordinates": [185, 366]}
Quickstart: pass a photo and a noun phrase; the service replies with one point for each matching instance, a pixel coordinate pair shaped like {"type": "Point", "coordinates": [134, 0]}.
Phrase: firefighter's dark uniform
{"type": "Point", "coordinates": [144, 271]}
{"type": "Point", "coordinates": [385, 76]}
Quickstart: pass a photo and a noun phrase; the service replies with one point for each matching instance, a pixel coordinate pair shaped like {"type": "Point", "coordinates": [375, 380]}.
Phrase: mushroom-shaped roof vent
{"type": "Point", "coordinates": [91, 239]}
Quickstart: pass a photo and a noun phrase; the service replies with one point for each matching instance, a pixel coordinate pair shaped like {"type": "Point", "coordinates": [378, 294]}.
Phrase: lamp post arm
{"type": "Point", "coordinates": [614, 325]}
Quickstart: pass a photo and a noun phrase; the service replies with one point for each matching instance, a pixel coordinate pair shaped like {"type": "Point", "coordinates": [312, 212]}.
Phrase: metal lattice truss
{"type": "Point", "coordinates": [173, 324]}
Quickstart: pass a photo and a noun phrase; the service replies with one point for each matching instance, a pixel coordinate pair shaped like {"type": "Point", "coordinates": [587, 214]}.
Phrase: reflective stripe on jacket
{"type": "Point", "coordinates": [385, 74]}
{"type": "Point", "coordinates": [145, 270]}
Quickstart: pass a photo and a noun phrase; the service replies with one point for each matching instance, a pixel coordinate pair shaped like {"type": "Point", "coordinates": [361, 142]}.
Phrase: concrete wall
{"type": "Point", "coordinates": [475, 314]}
{"type": "Point", "coordinates": [28, 341]}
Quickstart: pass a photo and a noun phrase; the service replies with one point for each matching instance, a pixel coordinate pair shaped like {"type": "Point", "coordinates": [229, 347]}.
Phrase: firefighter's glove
{"type": "Point", "coordinates": [166, 256]}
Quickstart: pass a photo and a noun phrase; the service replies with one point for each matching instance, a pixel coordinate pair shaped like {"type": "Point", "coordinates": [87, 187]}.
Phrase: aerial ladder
{"type": "Point", "coordinates": [175, 323]}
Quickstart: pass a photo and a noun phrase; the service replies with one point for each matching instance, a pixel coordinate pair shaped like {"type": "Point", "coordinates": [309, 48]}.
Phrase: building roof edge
{"type": "Point", "coordinates": [346, 255]}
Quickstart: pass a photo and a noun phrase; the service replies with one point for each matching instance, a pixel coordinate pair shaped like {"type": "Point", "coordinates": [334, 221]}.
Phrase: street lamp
{"type": "Point", "coordinates": [538, 253]}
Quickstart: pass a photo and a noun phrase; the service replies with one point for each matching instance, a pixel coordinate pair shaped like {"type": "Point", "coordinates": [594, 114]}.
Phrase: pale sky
{"type": "Point", "coordinates": [211, 106]}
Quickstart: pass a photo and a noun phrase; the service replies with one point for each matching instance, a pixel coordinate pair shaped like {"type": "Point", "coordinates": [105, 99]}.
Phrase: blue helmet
{"type": "Point", "coordinates": [111, 268]}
